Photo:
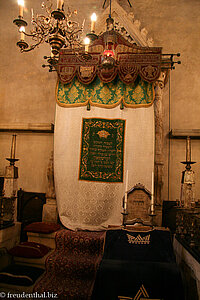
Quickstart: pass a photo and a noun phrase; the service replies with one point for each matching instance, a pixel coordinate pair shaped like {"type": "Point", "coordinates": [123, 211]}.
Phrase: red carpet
{"type": "Point", "coordinates": [71, 268]}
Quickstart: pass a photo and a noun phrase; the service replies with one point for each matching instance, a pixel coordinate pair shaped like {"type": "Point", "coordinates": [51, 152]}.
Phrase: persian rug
{"type": "Point", "coordinates": [71, 268]}
{"type": "Point", "coordinates": [102, 150]}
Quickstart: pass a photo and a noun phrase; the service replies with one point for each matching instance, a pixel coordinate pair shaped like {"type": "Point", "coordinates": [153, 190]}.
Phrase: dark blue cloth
{"type": "Point", "coordinates": [118, 246]}
{"type": "Point", "coordinates": [131, 265]}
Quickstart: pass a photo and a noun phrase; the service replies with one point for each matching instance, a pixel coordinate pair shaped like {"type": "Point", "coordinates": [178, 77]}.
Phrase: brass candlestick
{"type": "Point", "coordinates": [124, 214]}
{"type": "Point", "coordinates": [152, 215]}
{"type": "Point", "coordinates": [187, 181]}
{"type": "Point", "coordinates": [152, 211]}
{"type": "Point", "coordinates": [12, 158]}
{"type": "Point", "coordinates": [188, 161]}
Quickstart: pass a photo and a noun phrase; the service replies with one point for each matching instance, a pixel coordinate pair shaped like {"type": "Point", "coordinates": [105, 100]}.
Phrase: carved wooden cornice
{"type": "Point", "coordinates": [130, 61]}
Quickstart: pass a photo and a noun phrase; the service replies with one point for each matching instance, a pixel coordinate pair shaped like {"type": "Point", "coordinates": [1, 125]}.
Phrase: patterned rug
{"type": "Point", "coordinates": [71, 268]}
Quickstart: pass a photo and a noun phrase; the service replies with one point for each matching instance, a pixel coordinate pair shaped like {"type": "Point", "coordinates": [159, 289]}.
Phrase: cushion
{"type": "Point", "coordinates": [20, 275]}
{"type": "Point", "coordinates": [42, 227]}
{"type": "Point", "coordinates": [29, 250]}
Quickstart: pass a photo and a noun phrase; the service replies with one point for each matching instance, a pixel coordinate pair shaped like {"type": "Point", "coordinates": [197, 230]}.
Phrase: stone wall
{"type": "Point", "coordinates": [27, 91]}
{"type": "Point", "coordinates": [175, 26]}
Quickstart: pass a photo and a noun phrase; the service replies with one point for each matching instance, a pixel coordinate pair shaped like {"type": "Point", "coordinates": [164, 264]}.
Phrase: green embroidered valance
{"type": "Point", "coordinates": [108, 95]}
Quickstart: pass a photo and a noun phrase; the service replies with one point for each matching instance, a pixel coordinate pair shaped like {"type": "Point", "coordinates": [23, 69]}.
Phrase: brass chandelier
{"type": "Point", "coordinates": [56, 28]}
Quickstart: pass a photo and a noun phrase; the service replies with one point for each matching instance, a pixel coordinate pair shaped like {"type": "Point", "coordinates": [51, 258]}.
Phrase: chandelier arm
{"type": "Point", "coordinates": [31, 47]}
{"type": "Point", "coordinates": [73, 42]}
{"type": "Point", "coordinates": [47, 7]}
{"type": "Point", "coordinates": [75, 24]}
{"type": "Point", "coordinates": [40, 22]}
{"type": "Point", "coordinates": [43, 18]}
{"type": "Point", "coordinates": [74, 31]}
{"type": "Point", "coordinates": [40, 29]}
{"type": "Point", "coordinates": [37, 28]}
{"type": "Point", "coordinates": [30, 34]}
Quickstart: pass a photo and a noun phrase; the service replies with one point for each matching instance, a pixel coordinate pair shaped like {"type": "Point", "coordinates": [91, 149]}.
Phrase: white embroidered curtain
{"type": "Point", "coordinates": [92, 205]}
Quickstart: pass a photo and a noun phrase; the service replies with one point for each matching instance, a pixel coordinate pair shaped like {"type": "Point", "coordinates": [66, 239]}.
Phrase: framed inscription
{"type": "Point", "coordinates": [102, 150]}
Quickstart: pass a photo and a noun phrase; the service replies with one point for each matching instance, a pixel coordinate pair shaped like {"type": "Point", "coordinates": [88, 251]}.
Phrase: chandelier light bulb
{"type": "Point", "coordinates": [93, 17]}
{"type": "Point", "coordinates": [21, 2]}
{"type": "Point", "coordinates": [22, 30]}
{"type": "Point", "coordinates": [86, 42]}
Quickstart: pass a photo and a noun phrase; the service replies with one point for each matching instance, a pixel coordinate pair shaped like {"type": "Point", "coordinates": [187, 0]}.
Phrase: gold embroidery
{"type": "Point", "coordinates": [141, 295]}
{"type": "Point", "coordinates": [138, 239]}
{"type": "Point", "coordinates": [103, 134]}
{"type": "Point", "coordinates": [142, 292]}
{"type": "Point", "coordinates": [86, 71]}
{"type": "Point", "coordinates": [107, 95]}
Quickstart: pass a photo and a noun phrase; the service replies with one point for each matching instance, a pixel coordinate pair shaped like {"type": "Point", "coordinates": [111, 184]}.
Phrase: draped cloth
{"type": "Point", "coordinates": [138, 265]}
{"type": "Point", "coordinates": [108, 95]}
{"type": "Point", "coordinates": [95, 205]}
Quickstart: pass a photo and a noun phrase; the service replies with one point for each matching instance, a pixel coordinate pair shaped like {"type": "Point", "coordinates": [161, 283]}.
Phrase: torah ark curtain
{"type": "Point", "coordinates": [93, 205]}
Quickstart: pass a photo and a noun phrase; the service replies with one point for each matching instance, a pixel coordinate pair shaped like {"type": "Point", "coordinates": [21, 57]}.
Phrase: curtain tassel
{"type": "Point", "coordinates": [88, 106]}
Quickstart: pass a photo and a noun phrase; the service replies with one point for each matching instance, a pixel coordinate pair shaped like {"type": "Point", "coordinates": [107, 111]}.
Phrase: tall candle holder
{"type": "Point", "coordinates": [188, 161]}
{"type": "Point", "coordinates": [152, 215]}
{"type": "Point", "coordinates": [125, 202]}
{"type": "Point", "coordinates": [187, 180]}
{"type": "Point", "coordinates": [12, 158]}
{"type": "Point", "coordinates": [124, 215]}
{"type": "Point", "coordinates": [152, 205]}
{"type": "Point", "coordinates": [9, 198]}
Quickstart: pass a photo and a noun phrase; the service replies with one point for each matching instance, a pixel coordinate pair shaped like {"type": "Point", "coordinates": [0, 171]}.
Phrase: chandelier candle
{"type": "Point", "coordinates": [32, 14]}
{"type": "Point", "coordinates": [59, 4]}
{"type": "Point", "coordinates": [21, 8]}
{"type": "Point", "coordinates": [93, 20]}
{"type": "Point", "coordinates": [13, 147]}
